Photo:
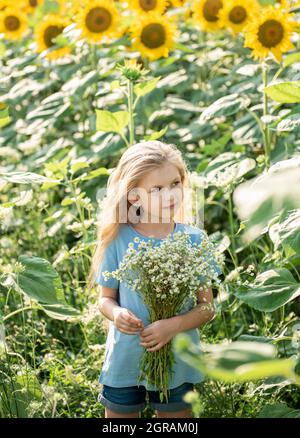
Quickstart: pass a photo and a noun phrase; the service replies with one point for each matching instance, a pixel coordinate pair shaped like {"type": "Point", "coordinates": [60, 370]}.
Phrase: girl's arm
{"type": "Point", "coordinates": [107, 301]}
{"type": "Point", "coordinates": [199, 315]}
{"type": "Point", "coordinates": [123, 318]}
{"type": "Point", "coordinates": [158, 333]}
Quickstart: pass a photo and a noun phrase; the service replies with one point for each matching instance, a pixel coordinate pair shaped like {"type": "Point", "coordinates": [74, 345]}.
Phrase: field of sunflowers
{"type": "Point", "coordinates": [80, 82]}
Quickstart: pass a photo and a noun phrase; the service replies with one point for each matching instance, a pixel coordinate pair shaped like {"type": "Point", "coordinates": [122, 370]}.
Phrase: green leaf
{"type": "Point", "coordinates": [115, 85]}
{"type": "Point", "coordinates": [234, 362]}
{"type": "Point", "coordinates": [102, 171]}
{"type": "Point", "coordinates": [284, 92]}
{"type": "Point", "coordinates": [75, 166]}
{"type": "Point", "coordinates": [145, 87]}
{"type": "Point", "coordinates": [40, 281]}
{"type": "Point", "coordinates": [290, 59]}
{"type": "Point", "coordinates": [31, 383]}
{"type": "Point", "coordinates": [4, 115]}
{"type": "Point", "coordinates": [248, 69]}
{"type": "Point", "coordinates": [289, 123]}
{"type": "Point", "coordinates": [228, 168]}
{"type": "Point", "coordinates": [107, 121]}
{"type": "Point", "coordinates": [217, 146]}
{"type": "Point", "coordinates": [58, 167]}
{"type": "Point", "coordinates": [2, 49]}
{"type": "Point", "coordinates": [270, 290]}
{"type": "Point", "coordinates": [67, 201]}
{"type": "Point", "coordinates": [278, 410]}
{"type": "Point", "coordinates": [157, 134]}
{"type": "Point", "coordinates": [286, 232]}
{"type": "Point", "coordinates": [225, 106]}
{"type": "Point", "coordinates": [4, 121]}
{"type": "Point", "coordinates": [258, 201]}
{"type": "Point", "coordinates": [61, 311]}
{"type": "Point", "coordinates": [26, 178]}
{"type": "Point", "coordinates": [183, 48]}
{"type": "Point", "coordinates": [17, 397]}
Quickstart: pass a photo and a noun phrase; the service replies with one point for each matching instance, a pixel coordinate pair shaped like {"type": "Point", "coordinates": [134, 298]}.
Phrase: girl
{"type": "Point", "coordinates": [155, 171]}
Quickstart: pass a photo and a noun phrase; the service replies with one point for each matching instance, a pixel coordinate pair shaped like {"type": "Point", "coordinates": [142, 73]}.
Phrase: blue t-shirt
{"type": "Point", "coordinates": [123, 351]}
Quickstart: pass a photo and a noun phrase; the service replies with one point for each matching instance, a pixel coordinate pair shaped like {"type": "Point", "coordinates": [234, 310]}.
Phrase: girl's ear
{"type": "Point", "coordinates": [133, 197]}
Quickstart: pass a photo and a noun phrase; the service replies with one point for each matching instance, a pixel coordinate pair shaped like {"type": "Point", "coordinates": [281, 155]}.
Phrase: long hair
{"type": "Point", "coordinates": [134, 164]}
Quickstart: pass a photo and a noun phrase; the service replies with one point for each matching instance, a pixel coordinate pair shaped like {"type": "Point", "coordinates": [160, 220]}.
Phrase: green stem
{"type": "Point", "coordinates": [125, 140]}
{"type": "Point", "coordinates": [16, 312]}
{"type": "Point", "coordinates": [79, 210]}
{"type": "Point", "coordinates": [232, 232]}
{"type": "Point", "coordinates": [279, 71]}
{"type": "Point", "coordinates": [84, 333]}
{"type": "Point", "coordinates": [131, 114]}
{"type": "Point", "coordinates": [266, 130]}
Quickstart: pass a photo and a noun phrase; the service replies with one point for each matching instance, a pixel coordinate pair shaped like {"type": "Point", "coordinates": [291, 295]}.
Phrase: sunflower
{"type": "Point", "coordinates": [176, 3]}
{"type": "Point", "coordinates": [236, 14]}
{"type": "Point", "coordinates": [30, 6]}
{"type": "Point", "coordinates": [48, 29]}
{"type": "Point", "coordinates": [3, 4]}
{"type": "Point", "coordinates": [270, 31]}
{"type": "Point", "coordinates": [146, 6]}
{"type": "Point", "coordinates": [206, 14]}
{"type": "Point", "coordinates": [13, 23]}
{"type": "Point", "coordinates": [154, 35]}
{"type": "Point", "coordinates": [99, 19]}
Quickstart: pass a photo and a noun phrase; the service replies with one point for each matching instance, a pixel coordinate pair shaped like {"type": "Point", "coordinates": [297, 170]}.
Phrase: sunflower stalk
{"type": "Point", "coordinates": [232, 228]}
{"type": "Point", "coordinates": [131, 112]}
{"type": "Point", "coordinates": [266, 129]}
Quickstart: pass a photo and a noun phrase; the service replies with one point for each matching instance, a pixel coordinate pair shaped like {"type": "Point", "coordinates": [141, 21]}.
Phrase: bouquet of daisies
{"type": "Point", "coordinates": [166, 276]}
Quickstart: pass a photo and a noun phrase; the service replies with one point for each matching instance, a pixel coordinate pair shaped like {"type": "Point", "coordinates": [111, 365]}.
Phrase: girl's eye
{"type": "Point", "coordinates": [157, 189]}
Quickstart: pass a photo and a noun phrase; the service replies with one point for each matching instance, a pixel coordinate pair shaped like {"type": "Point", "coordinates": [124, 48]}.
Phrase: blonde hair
{"type": "Point", "coordinates": [134, 164]}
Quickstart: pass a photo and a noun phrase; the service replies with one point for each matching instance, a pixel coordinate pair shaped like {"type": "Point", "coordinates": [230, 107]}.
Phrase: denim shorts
{"type": "Point", "coordinates": [133, 398]}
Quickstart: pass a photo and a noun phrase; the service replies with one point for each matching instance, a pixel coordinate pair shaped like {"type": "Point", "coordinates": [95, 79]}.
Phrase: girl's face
{"type": "Point", "coordinates": [159, 193]}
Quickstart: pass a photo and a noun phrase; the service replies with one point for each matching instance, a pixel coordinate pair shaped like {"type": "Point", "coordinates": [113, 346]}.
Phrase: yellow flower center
{"type": "Point", "coordinates": [12, 23]}
{"type": "Point", "coordinates": [153, 35]}
{"type": "Point", "coordinates": [148, 5]}
{"type": "Point", "coordinates": [270, 33]}
{"type": "Point", "coordinates": [33, 3]}
{"type": "Point", "coordinates": [211, 9]}
{"type": "Point", "coordinates": [50, 33]}
{"type": "Point", "coordinates": [238, 14]}
{"type": "Point", "coordinates": [98, 20]}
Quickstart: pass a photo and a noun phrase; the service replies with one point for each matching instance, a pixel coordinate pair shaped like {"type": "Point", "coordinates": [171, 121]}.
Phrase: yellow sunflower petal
{"type": "Point", "coordinates": [153, 35]}
{"type": "Point", "coordinates": [29, 6]}
{"type": "Point", "coordinates": [45, 32]}
{"type": "Point", "coordinates": [206, 14]}
{"type": "Point", "coordinates": [3, 4]}
{"type": "Point", "coordinates": [13, 23]}
{"type": "Point", "coordinates": [147, 6]}
{"type": "Point", "coordinates": [236, 14]}
{"type": "Point", "coordinates": [176, 3]}
{"type": "Point", "coordinates": [270, 31]}
{"type": "Point", "coordinates": [98, 20]}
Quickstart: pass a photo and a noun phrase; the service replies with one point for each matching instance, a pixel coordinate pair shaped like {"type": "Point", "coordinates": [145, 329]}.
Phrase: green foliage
{"type": "Point", "coordinates": [270, 290]}
{"type": "Point", "coordinates": [64, 126]}
{"type": "Point", "coordinates": [284, 92]}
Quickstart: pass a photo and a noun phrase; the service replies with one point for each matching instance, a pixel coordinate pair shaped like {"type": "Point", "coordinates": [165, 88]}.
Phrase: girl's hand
{"type": "Point", "coordinates": [157, 334]}
{"type": "Point", "coordinates": [127, 322]}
